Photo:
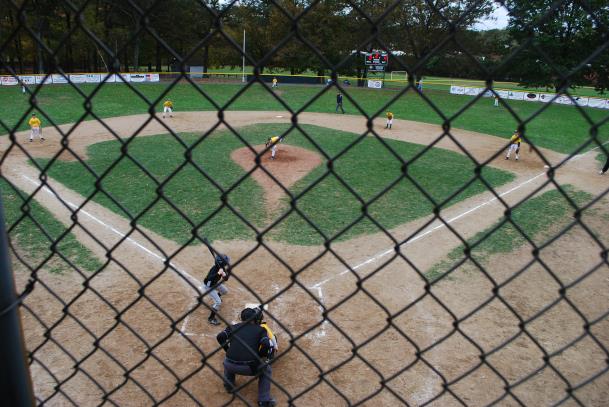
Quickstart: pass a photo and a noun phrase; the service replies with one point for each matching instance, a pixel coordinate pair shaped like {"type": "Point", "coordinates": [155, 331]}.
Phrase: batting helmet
{"type": "Point", "coordinates": [222, 260]}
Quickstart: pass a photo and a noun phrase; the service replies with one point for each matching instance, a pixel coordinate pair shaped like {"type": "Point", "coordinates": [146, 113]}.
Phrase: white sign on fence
{"type": "Point", "coordinates": [93, 78]}
{"type": "Point", "coordinates": [59, 79]}
{"type": "Point", "coordinates": [580, 101]}
{"type": "Point", "coordinates": [78, 78]}
{"type": "Point", "coordinates": [138, 77]}
{"type": "Point", "coordinates": [375, 84]}
{"type": "Point", "coordinates": [516, 95]}
{"type": "Point", "coordinates": [44, 79]}
{"type": "Point", "coordinates": [532, 97]}
{"type": "Point", "coordinates": [152, 77]}
{"type": "Point", "coordinates": [457, 90]}
{"type": "Point", "coordinates": [27, 79]}
{"type": "Point", "coordinates": [8, 80]}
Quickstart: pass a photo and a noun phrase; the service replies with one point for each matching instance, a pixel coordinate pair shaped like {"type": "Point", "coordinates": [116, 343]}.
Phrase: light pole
{"type": "Point", "coordinates": [243, 56]}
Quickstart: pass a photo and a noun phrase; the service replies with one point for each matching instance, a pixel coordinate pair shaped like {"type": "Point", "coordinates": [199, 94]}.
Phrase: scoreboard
{"type": "Point", "coordinates": [376, 58]}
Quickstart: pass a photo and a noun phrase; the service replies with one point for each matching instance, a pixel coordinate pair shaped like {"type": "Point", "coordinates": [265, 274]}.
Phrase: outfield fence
{"type": "Point", "coordinates": [41, 315]}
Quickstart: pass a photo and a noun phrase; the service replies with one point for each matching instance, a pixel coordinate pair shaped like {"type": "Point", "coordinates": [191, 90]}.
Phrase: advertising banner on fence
{"type": "Point", "coordinates": [375, 84]}
{"type": "Point", "coordinates": [516, 95]}
{"type": "Point", "coordinates": [503, 94]}
{"type": "Point", "coordinates": [93, 78]}
{"type": "Point", "coordinates": [138, 77]}
{"type": "Point", "coordinates": [545, 97]}
{"type": "Point", "coordinates": [473, 91]}
{"type": "Point", "coordinates": [598, 103]}
{"type": "Point", "coordinates": [59, 79]}
{"type": "Point", "coordinates": [532, 97]}
{"type": "Point", "coordinates": [581, 101]}
{"type": "Point", "coordinates": [78, 78]}
{"type": "Point", "coordinates": [44, 79]}
{"type": "Point", "coordinates": [564, 100]}
{"type": "Point", "coordinates": [457, 90]}
{"type": "Point", "coordinates": [152, 77]}
{"type": "Point", "coordinates": [8, 80]}
{"type": "Point", "coordinates": [27, 79]}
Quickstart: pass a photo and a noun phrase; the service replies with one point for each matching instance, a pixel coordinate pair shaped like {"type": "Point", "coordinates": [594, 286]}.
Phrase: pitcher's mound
{"type": "Point", "coordinates": [290, 165]}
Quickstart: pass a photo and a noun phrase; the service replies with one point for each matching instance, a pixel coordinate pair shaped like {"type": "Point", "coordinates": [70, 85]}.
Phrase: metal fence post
{"type": "Point", "coordinates": [15, 381]}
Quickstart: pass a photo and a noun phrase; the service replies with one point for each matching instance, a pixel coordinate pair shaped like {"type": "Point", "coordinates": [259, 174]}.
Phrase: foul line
{"type": "Point", "coordinates": [116, 231]}
{"type": "Point", "coordinates": [380, 255]}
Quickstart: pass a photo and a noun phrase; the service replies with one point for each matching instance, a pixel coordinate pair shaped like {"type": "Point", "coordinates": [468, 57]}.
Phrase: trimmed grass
{"type": "Point", "coordinates": [538, 217]}
{"type": "Point", "coordinates": [558, 127]}
{"type": "Point", "coordinates": [24, 228]}
{"type": "Point", "coordinates": [368, 168]}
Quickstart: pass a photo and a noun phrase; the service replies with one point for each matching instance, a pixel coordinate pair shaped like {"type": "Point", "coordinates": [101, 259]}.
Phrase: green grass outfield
{"type": "Point", "coordinates": [561, 128]}
{"type": "Point", "coordinates": [368, 168]}
{"type": "Point", "coordinates": [538, 217]}
{"type": "Point", "coordinates": [32, 244]}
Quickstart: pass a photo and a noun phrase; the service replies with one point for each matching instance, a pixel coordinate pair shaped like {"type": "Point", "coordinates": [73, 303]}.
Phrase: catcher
{"type": "Point", "coordinates": [515, 141]}
{"type": "Point", "coordinates": [273, 141]}
{"type": "Point", "coordinates": [213, 284]}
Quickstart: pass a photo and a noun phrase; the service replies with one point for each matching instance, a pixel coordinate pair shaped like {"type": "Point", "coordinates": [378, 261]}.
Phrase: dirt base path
{"type": "Point", "coordinates": [297, 309]}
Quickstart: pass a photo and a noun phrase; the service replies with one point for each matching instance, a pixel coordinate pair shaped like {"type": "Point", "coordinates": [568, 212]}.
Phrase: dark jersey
{"type": "Point", "coordinates": [213, 278]}
{"type": "Point", "coordinates": [244, 342]}
{"type": "Point", "coordinates": [339, 98]}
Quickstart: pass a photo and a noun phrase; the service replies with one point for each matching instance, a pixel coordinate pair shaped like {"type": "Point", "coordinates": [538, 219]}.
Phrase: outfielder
{"type": "Point", "coordinates": [274, 83]}
{"type": "Point", "coordinates": [389, 120]}
{"type": "Point", "coordinates": [514, 145]}
{"type": "Point", "coordinates": [213, 285]}
{"type": "Point", "coordinates": [273, 141]}
{"type": "Point", "coordinates": [168, 108]}
{"type": "Point", "coordinates": [35, 128]}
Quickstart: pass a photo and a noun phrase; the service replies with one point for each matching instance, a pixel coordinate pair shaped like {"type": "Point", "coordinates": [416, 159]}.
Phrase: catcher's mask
{"type": "Point", "coordinates": [252, 314]}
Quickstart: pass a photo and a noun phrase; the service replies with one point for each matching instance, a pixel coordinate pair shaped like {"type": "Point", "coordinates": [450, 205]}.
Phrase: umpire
{"type": "Point", "coordinates": [248, 348]}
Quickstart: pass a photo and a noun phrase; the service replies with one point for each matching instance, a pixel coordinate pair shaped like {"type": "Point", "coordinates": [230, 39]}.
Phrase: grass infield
{"type": "Point", "coordinates": [558, 127]}
{"type": "Point", "coordinates": [538, 217]}
{"type": "Point", "coordinates": [24, 226]}
{"type": "Point", "coordinates": [368, 167]}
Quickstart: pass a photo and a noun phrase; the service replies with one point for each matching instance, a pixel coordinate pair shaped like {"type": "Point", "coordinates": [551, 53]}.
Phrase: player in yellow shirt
{"type": "Point", "coordinates": [273, 141]}
{"type": "Point", "coordinates": [274, 348]}
{"type": "Point", "coordinates": [35, 125]}
{"type": "Point", "coordinates": [515, 141]}
{"type": "Point", "coordinates": [168, 108]}
{"type": "Point", "coordinates": [389, 120]}
{"type": "Point", "coordinates": [274, 82]}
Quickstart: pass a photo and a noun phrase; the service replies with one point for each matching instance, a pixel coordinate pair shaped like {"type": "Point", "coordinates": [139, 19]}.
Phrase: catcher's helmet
{"type": "Point", "coordinates": [222, 260]}
{"type": "Point", "coordinates": [248, 314]}
{"type": "Point", "coordinates": [252, 314]}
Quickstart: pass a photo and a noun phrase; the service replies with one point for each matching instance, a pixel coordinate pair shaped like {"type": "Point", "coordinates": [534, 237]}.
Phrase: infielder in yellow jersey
{"type": "Point", "coordinates": [168, 108]}
{"type": "Point", "coordinates": [515, 141]}
{"type": "Point", "coordinates": [273, 141]}
{"type": "Point", "coordinates": [389, 120]}
{"type": "Point", "coordinates": [35, 128]}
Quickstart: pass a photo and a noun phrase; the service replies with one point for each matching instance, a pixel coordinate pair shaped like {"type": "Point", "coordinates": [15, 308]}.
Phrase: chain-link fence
{"type": "Point", "coordinates": [404, 262]}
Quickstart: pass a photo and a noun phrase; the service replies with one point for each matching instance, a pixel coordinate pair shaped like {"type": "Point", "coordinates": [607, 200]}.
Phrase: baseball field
{"type": "Point", "coordinates": [396, 265]}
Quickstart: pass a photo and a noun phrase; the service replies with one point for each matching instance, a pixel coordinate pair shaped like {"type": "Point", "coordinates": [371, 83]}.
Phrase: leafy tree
{"type": "Point", "coordinates": [562, 39]}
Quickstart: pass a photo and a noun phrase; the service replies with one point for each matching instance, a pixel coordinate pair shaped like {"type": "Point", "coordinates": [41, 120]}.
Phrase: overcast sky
{"type": "Point", "coordinates": [498, 19]}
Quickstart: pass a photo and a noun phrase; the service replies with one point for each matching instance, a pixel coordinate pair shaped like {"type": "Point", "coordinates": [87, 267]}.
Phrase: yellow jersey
{"type": "Point", "coordinates": [34, 122]}
{"type": "Point", "coordinates": [274, 80]}
{"type": "Point", "coordinates": [515, 138]}
{"type": "Point", "coordinates": [271, 336]}
{"type": "Point", "coordinates": [168, 103]}
{"type": "Point", "coordinates": [275, 140]}
{"type": "Point", "coordinates": [389, 115]}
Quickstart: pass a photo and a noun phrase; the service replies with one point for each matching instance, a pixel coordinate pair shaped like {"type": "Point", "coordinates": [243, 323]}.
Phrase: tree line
{"type": "Point", "coordinates": [549, 44]}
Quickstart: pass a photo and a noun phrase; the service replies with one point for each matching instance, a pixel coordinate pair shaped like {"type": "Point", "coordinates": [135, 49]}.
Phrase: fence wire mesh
{"type": "Point", "coordinates": [361, 320]}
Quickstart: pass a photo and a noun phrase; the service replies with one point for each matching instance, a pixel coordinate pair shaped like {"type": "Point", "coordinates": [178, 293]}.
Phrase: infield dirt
{"type": "Point", "coordinates": [124, 308]}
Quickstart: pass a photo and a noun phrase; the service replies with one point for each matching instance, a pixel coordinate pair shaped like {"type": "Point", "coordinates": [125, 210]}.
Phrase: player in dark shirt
{"type": "Point", "coordinates": [248, 348]}
{"type": "Point", "coordinates": [214, 287]}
